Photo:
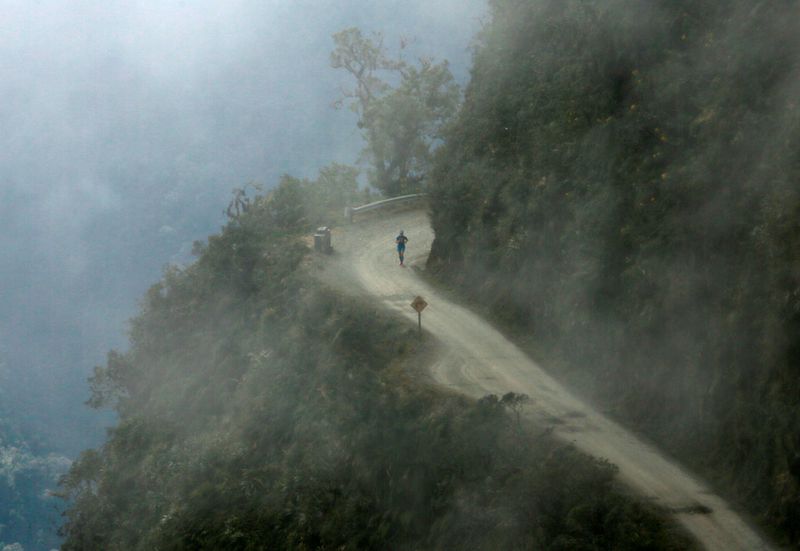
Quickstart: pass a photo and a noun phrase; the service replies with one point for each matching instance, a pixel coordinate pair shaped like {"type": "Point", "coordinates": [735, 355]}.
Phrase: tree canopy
{"type": "Point", "coordinates": [401, 107]}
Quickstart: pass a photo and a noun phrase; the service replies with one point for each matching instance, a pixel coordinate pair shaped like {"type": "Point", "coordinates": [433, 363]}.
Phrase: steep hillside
{"type": "Point", "coordinates": [259, 411]}
{"type": "Point", "coordinates": [622, 187]}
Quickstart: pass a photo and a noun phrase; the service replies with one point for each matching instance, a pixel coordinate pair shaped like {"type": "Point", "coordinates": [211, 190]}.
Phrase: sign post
{"type": "Point", "coordinates": [419, 305]}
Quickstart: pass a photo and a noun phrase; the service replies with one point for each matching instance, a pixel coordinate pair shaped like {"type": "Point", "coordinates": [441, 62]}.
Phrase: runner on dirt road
{"type": "Point", "coordinates": [401, 241]}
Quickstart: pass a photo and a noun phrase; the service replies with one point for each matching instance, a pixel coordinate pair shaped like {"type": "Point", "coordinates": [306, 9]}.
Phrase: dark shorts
{"type": "Point", "coordinates": [401, 248]}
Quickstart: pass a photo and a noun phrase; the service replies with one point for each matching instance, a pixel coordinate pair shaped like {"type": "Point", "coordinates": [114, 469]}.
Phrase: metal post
{"type": "Point", "coordinates": [419, 305]}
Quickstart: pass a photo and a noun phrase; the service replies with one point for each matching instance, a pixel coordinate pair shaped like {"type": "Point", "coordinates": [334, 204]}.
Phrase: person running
{"type": "Point", "coordinates": [401, 241]}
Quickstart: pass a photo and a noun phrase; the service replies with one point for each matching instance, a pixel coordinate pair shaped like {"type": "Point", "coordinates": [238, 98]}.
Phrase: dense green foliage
{"type": "Point", "coordinates": [302, 204]}
{"type": "Point", "coordinates": [400, 123]}
{"type": "Point", "coordinates": [622, 184]}
{"type": "Point", "coordinates": [260, 411]}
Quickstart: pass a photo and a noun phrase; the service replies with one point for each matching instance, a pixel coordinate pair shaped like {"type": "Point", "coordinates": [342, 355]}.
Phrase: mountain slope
{"type": "Point", "coordinates": [621, 188]}
{"type": "Point", "coordinates": [258, 410]}
{"type": "Point", "coordinates": [478, 360]}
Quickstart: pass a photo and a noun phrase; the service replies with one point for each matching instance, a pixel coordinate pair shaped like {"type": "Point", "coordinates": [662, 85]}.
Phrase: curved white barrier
{"type": "Point", "coordinates": [349, 212]}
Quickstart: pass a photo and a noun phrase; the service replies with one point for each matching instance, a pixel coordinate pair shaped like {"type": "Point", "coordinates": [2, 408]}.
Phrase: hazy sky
{"type": "Point", "coordinates": [125, 126]}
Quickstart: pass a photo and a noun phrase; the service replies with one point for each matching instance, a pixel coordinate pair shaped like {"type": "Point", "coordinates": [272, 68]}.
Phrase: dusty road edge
{"type": "Point", "coordinates": [479, 360]}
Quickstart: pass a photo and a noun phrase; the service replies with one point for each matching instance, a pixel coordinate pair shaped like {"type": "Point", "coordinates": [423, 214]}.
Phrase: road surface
{"type": "Point", "coordinates": [478, 360]}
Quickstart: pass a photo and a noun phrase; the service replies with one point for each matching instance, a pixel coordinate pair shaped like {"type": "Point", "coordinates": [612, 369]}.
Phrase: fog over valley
{"type": "Point", "coordinates": [125, 127]}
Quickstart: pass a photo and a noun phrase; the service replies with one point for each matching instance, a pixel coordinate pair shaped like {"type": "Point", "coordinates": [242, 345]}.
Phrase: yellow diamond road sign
{"type": "Point", "coordinates": [419, 304]}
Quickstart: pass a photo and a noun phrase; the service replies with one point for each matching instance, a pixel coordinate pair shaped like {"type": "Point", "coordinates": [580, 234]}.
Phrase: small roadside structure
{"type": "Point", "coordinates": [322, 240]}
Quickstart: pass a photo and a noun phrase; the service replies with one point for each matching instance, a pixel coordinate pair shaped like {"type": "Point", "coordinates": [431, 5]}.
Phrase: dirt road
{"type": "Point", "coordinates": [479, 360]}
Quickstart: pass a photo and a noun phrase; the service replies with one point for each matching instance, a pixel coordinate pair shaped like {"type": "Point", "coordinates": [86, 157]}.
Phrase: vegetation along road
{"type": "Point", "coordinates": [479, 361]}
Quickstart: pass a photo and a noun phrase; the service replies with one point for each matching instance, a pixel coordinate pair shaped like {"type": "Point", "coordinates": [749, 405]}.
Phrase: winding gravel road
{"type": "Point", "coordinates": [478, 360]}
